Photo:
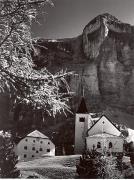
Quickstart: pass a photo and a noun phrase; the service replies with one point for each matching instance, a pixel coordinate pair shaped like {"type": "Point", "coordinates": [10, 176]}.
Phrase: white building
{"type": "Point", "coordinates": [35, 145]}
{"type": "Point", "coordinates": [104, 136]}
{"type": "Point", "coordinates": [100, 133]}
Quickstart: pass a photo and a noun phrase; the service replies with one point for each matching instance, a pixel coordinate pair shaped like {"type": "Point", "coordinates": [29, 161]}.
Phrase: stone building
{"type": "Point", "coordinates": [34, 145]}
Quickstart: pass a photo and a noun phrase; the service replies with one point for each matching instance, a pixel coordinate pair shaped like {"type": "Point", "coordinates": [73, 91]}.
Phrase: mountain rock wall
{"type": "Point", "coordinates": [103, 59]}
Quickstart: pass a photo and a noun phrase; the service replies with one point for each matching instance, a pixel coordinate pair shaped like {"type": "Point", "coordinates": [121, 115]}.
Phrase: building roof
{"type": "Point", "coordinates": [101, 120]}
{"type": "Point", "coordinates": [82, 107]}
{"type": "Point", "coordinates": [37, 134]}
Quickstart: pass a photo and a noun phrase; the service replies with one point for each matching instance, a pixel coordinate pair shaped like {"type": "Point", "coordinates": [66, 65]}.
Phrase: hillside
{"type": "Point", "coordinates": [60, 167]}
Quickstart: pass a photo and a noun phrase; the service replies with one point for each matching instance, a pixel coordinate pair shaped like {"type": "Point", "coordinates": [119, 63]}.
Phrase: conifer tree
{"type": "Point", "coordinates": [97, 165]}
{"type": "Point", "coordinates": [18, 75]}
{"type": "Point", "coordinates": [8, 159]}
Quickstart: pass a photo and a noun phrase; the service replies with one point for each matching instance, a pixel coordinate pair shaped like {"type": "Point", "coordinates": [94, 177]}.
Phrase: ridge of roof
{"type": "Point", "coordinates": [37, 134]}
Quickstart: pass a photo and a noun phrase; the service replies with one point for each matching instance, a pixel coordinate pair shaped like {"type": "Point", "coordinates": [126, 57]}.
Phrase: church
{"type": "Point", "coordinates": [96, 132]}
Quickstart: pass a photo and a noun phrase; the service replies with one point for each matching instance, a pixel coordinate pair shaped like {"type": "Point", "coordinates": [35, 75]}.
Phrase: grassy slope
{"type": "Point", "coordinates": [60, 167]}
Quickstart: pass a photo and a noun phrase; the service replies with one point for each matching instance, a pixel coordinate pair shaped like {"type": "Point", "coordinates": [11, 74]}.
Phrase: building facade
{"type": "Point", "coordinates": [99, 133]}
{"type": "Point", "coordinates": [104, 136]}
{"type": "Point", "coordinates": [35, 145]}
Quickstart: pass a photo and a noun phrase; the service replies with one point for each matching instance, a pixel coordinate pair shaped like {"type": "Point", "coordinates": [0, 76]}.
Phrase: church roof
{"type": "Point", "coordinates": [37, 134]}
{"type": "Point", "coordinates": [82, 107]}
{"type": "Point", "coordinates": [108, 127]}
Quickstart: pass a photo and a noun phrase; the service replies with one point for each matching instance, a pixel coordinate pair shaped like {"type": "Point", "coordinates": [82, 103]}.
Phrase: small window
{"type": "Point", "coordinates": [41, 149]}
{"type": "Point", "coordinates": [26, 140]}
{"type": "Point", "coordinates": [41, 142]}
{"type": "Point", "coordinates": [25, 155]}
{"type": "Point", "coordinates": [98, 145]}
{"type": "Point", "coordinates": [48, 142]}
{"type": "Point", "coordinates": [33, 148]}
{"type": "Point", "coordinates": [37, 151]}
{"type": "Point", "coordinates": [110, 145]}
{"type": "Point", "coordinates": [25, 147]}
{"type": "Point", "coordinates": [34, 141]}
{"type": "Point", "coordinates": [48, 150]}
{"type": "Point", "coordinates": [82, 119]}
{"type": "Point", "coordinates": [32, 155]}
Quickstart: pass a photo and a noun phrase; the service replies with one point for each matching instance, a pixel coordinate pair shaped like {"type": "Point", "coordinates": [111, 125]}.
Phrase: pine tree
{"type": "Point", "coordinates": [96, 165]}
{"type": "Point", "coordinates": [131, 152]}
{"type": "Point", "coordinates": [8, 159]}
{"type": "Point", "coordinates": [107, 167]}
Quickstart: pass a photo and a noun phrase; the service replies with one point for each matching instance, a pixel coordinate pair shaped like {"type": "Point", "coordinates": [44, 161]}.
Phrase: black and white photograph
{"type": "Point", "coordinates": [67, 89]}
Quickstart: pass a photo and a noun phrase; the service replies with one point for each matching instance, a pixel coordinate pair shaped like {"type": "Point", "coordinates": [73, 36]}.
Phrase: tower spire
{"type": "Point", "coordinates": [82, 87]}
{"type": "Point", "coordinates": [83, 92]}
{"type": "Point", "coordinates": [82, 107]}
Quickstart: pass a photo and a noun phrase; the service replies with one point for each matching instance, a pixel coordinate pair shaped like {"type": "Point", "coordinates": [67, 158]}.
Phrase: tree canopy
{"type": "Point", "coordinates": [17, 75]}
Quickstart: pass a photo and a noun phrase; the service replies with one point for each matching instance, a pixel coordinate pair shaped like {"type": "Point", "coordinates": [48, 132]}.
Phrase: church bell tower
{"type": "Point", "coordinates": [82, 124]}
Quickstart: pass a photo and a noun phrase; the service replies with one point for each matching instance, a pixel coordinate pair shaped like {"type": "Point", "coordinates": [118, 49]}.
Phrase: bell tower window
{"type": "Point", "coordinates": [82, 119]}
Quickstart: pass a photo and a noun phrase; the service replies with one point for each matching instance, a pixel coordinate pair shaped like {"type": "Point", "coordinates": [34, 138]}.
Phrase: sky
{"type": "Point", "coordinates": [69, 17]}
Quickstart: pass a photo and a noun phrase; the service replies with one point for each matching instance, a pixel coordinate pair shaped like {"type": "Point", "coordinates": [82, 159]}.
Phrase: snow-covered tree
{"type": "Point", "coordinates": [17, 74]}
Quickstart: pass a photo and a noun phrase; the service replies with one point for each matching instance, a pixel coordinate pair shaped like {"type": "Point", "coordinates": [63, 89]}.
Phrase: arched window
{"type": "Point", "coordinates": [98, 145]}
{"type": "Point", "coordinates": [110, 145]}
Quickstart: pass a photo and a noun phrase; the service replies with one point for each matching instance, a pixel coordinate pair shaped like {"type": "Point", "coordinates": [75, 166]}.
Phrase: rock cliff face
{"type": "Point", "coordinates": [103, 59]}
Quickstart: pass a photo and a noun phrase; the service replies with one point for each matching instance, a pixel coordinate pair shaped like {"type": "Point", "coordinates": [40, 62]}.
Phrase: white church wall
{"type": "Point", "coordinates": [31, 147]}
{"type": "Point", "coordinates": [117, 143]}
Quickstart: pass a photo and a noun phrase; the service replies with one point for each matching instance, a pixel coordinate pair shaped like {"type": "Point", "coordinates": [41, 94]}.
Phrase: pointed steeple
{"type": "Point", "coordinates": [82, 107]}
